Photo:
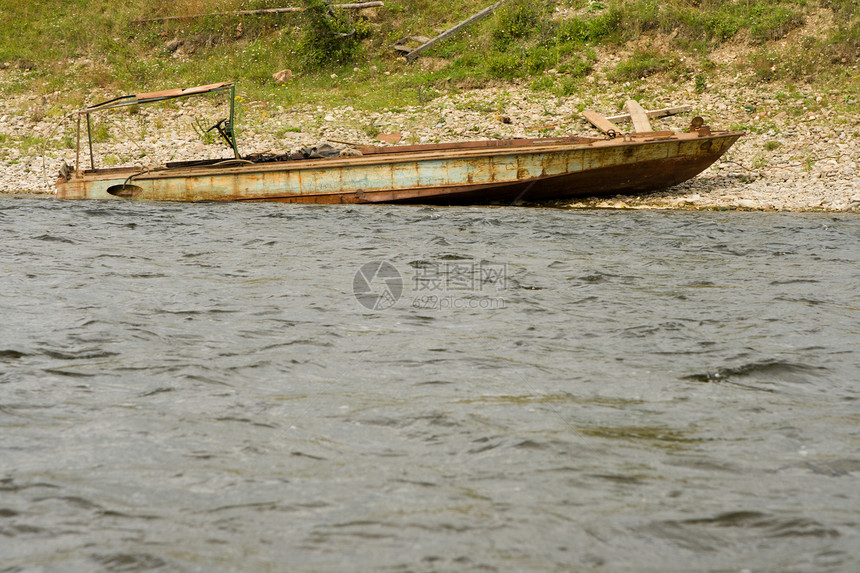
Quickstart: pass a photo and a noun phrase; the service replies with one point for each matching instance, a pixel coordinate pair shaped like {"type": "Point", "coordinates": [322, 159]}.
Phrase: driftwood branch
{"type": "Point", "coordinates": [356, 6]}
{"type": "Point", "coordinates": [451, 31]}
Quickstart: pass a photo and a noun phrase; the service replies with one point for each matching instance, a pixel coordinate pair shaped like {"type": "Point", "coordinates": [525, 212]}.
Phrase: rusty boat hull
{"type": "Point", "coordinates": [476, 172]}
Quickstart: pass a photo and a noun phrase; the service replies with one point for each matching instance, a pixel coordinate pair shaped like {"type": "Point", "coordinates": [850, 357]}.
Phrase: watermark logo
{"type": "Point", "coordinates": [436, 285]}
{"type": "Point", "coordinates": [447, 276]}
{"type": "Point", "coordinates": [377, 285]}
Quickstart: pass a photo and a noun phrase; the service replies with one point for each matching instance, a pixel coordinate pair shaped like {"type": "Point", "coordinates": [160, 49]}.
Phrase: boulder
{"type": "Point", "coordinates": [283, 77]}
{"type": "Point", "coordinates": [173, 44]}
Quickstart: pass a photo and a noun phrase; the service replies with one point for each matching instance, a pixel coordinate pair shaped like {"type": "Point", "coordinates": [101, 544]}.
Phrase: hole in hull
{"type": "Point", "coordinates": [125, 191]}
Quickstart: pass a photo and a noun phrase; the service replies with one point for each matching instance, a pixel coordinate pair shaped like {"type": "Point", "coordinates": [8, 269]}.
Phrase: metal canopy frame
{"type": "Point", "coordinates": [227, 130]}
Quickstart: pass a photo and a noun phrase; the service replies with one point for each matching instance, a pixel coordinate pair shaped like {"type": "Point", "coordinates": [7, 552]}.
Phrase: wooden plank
{"type": "Point", "coordinates": [180, 92]}
{"type": "Point", "coordinates": [355, 6]}
{"type": "Point", "coordinates": [666, 111]}
{"type": "Point", "coordinates": [638, 116]}
{"type": "Point", "coordinates": [451, 31]}
{"type": "Point", "coordinates": [600, 122]}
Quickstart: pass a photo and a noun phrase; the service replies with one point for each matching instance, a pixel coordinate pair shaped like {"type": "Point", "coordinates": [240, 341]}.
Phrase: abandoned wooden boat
{"type": "Point", "coordinates": [471, 172]}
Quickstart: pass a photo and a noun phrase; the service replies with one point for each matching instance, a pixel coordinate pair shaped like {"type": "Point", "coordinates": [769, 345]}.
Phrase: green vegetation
{"type": "Point", "coordinates": [29, 144]}
{"type": "Point", "coordinates": [772, 145]}
{"type": "Point", "coordinates": [345, 56]}
{"type": "Point", "coordinates": [640, 65]}
{"type": "Point", "coordinates": [332, 37]}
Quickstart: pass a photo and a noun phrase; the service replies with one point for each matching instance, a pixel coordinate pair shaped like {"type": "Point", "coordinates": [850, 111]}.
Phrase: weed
{"type": "Point", "coordinates": [515, 20]}
{"type": "Point", "coordinates": [579, 30]}
{"type": "Point", "coordinates": [763, 66]}
{"type": "Point", "coordinates": [206, 136]}
{"type": "Point", "coordinates": [568, 86]}
{"type": "Point", "coordinates": [282, 131]}
{"type": "Point", "coordinates": [639, 65]}
{"type": "Point", "coordinates": [37, 114]}
{"type": "Point", "coordinates": [371, 130]}
{"type": "Point", "coordinates": [539, 59]}
{"type": "Point", "coordinates": [543, 83]}
{"type": "Point", "coordinates": [578, 67]}
{"type": "Point", "coordinates": [29, 143]}
{"type": "Point", "coordinates": [639, 16]}
{"type": "Point", "coordinates": [478, 106]}
{"type": "Point", "coordinates": [100, 131]}
{"type": "Point", "coordinates": [505, 65]}
{"type": "Point", "coordinates": [333, 36]}
{"type": "Point", "coordinates": [501, 102]}
{"type": "Point", "coordinates": [769, 22]}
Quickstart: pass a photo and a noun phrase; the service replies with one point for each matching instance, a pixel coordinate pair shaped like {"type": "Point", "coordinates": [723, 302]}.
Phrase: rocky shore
{"type": "Point", "coordinates": [801, 151]}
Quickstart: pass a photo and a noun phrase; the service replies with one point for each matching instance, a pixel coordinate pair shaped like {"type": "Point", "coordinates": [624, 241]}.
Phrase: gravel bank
{"type": "Point", "coordinates": [801, 151]}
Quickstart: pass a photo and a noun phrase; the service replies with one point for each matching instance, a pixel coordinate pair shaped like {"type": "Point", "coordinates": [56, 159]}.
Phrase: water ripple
{"type": "Point", "coordinates": [197, 387]}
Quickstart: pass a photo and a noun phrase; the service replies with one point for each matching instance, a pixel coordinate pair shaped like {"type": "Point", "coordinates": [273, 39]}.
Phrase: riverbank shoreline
{"type": "Point", "coordinates": [801, 151]}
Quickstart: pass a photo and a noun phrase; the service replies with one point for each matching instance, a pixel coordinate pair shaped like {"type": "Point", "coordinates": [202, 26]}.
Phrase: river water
{"type": "Point", "coordinates": [254, 387]}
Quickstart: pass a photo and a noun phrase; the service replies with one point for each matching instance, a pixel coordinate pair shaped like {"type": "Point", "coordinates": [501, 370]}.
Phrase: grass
{"type": "Point", "coordinates": [761, 20]}
{"type": "Point", "coordinates": [640, 65]}
{"type": "Point", "coordinates": [29, 144]}
{"type": "Point", "coordinates": [772, 145]}
{"type": "Point", "coordinates": [74, 47]}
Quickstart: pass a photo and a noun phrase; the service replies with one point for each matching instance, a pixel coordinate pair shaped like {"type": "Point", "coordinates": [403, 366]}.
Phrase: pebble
{"type": "Point", "coordinates": [807, 171]}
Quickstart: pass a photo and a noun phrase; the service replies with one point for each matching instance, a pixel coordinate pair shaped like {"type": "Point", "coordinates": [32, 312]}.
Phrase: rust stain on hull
{"type": "Point", "coordinates": [477, 172]}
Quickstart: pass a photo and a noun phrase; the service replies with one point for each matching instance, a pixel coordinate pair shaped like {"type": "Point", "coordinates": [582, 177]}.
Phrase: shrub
{"type": "Point", "coordinates": [592, 29]}
{"type": "Point", "coordinates": [720, 25]}
{"type": "Point", "coordinates": [539, 59]}
{"type": "Point", "coordinates": [516, 20]}
{"type": "Point", "coordinates": [332, 36]}
{"type": "Point", "coordinates": [772, 22]}
{"type": "Point", "coordinates": [844, 45]}
{"type": "Point", "coordinates": [505, 65]}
